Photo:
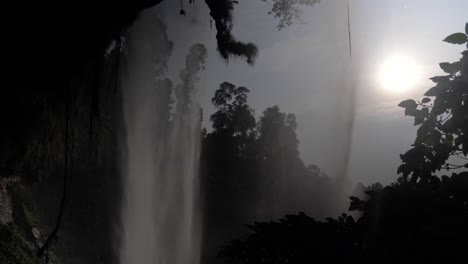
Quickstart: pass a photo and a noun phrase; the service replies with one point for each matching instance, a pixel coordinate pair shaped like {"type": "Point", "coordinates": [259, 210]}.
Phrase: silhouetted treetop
{"type": "Point", "coordinates": [251, 170]}
{"type": "Point", "coordinates": [278, 133]}
{"type": "Point", "coordinates": [233, 116]}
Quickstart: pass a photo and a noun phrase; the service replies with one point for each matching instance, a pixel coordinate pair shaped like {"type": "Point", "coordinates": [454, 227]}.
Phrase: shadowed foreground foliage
{"type": "Point", "coordinates": [404, 222]}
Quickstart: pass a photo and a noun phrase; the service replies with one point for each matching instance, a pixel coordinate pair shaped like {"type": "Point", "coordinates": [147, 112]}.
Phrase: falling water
{"type": "Point", "coordinates": [160, 222]}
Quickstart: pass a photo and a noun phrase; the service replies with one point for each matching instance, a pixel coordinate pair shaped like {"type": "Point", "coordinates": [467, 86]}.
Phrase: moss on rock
{"type": "Point", "coordinates": [18, 244]}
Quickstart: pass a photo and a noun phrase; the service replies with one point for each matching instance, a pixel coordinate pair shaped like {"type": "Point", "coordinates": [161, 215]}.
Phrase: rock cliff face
{"type": "Point", "coordinates": [20, 232]}
{"type": "Point", "coordinates": [53, 50]}
{"type": "Point", "coordinates": [49, 46]}
{"type": "Point", "coordinates": [6, 211]}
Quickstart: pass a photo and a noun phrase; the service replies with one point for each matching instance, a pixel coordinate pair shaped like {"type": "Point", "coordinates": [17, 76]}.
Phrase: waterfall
{"type": "Point", "coordinates": [160, 211]}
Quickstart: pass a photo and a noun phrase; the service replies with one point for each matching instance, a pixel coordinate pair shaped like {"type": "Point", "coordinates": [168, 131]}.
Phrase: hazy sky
{"type": "Point", "coordinates": [306, 70]}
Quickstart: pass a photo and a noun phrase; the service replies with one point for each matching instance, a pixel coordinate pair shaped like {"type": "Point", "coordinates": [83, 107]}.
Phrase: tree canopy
{"type": "Point", "coordinates": [251, 169]}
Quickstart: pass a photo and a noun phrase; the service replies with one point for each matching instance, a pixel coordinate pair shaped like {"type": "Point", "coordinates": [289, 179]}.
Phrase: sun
{"type": "Point", "coordinates": [398, 73]}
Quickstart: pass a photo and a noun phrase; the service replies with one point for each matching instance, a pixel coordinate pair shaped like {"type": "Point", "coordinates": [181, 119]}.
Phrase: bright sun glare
{"type": "Point", "coordinates": [398, 73]}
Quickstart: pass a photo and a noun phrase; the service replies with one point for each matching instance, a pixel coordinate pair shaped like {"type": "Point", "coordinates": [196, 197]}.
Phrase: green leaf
{"type": "Point", "coordinates": [438, 79]}
{"type": "Point", "coordinates": [404, 169]}
{"type": "Point", "coordinates": [426, 100]}
{"type": "Point", "coordinates": [465, 145]}
{"type": "Point", "coordinates": [410, 154]}
{"type": "Point", "coordinates": [410, 111]}
{"type": "Point", "coordinates": [436, 135]}
{"type": "Point", "coordinates": [457, 38]}
{"type": "Point", "coordinates": [434, 91]}
{"type": "Point", "coordinates": [408, 104]}
{"type": "Point", "coordinates": [450, 67]}
{"type": "Point", "coordinates": [449, 137]}
{"type": "Point", "coordinates": [429, 141]}
{"type": "Point", "coordinates": [430, 138]}
{"type": "Point", "coordinates": [425, 112]}
{"type": "Point", "coordinates": [444, 66]}
{"type": "Point", "coordinates": [424, 130]}
{"type": "Point", "coordinates": [438, 89]}
{"type": "Point", "coordinates": [419, 117]}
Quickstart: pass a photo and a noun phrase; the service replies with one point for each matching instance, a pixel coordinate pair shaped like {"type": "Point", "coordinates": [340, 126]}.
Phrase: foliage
{"type": "Point", "coordinates": [421, 218]}
{"type": "Point", "coordinates": [278, 133]}
{"type": "Point", "coordinates": [15, 249]}
{"type": "Point", "coordinates": [288, 11]}
{"type": "Point", "coordinates": [233, 116]}
{"type": "Point", "coordinates": [184, 92]}
{"type": "Point", "coordinates": [89, 29]}
{"type": "Point", "coordinates": [407, 222]}
{"type": "Point", "coordinates": [442, 136]}
{"type": "Point", "coordinates": [292, 239]}
{"type": "Point", "coordinates": [18, 244]}
{"type": "Point", "coordinates": [221, 12]}
{"type": "Point", "coordinates": [251, 169]}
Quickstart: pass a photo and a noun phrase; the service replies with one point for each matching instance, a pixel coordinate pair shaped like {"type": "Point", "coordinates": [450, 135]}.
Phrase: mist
{"type": "Point", "coordinates": [224, 131]}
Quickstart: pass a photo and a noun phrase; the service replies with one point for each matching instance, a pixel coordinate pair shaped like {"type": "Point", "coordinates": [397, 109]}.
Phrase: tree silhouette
{"type": "Point", "coordinates": [421, 218]}
{"type": "Point", "coordinates": [233, 116]}
{"type": "Point", "coordinates": [442, 136]}
{"type": "Point", "coordinates": [278, 133]}
{"type": "Point", "coordinates": [221, 11]}
{"type": "Point", "coordinates": [251, 170]}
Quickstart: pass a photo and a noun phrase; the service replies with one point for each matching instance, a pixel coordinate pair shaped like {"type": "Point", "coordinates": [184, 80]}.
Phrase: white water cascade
{"type": "Point", "coordinates": [160, 219]}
